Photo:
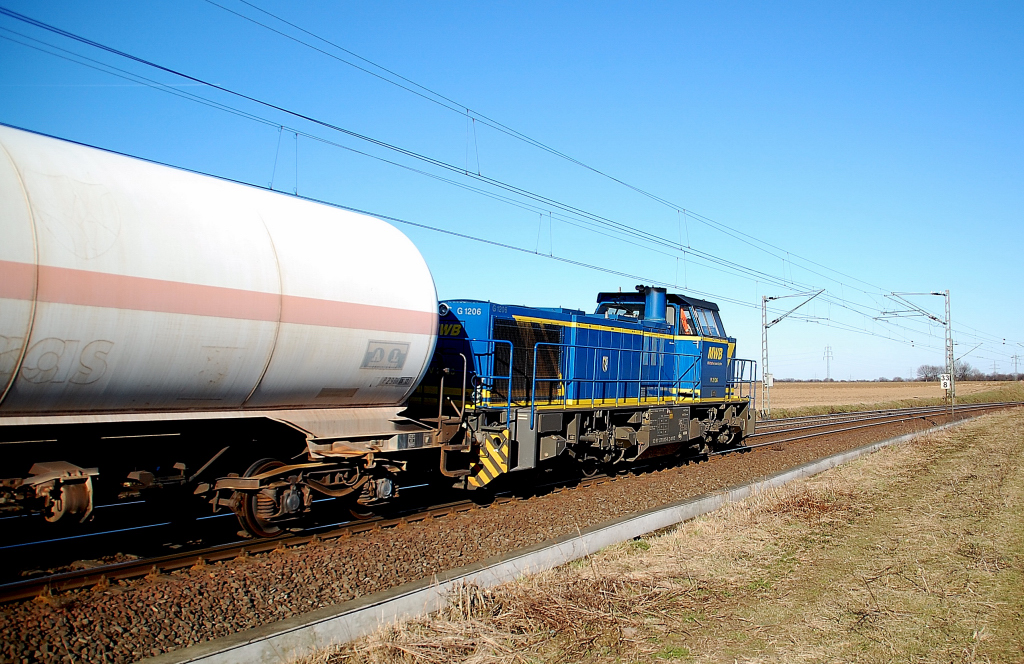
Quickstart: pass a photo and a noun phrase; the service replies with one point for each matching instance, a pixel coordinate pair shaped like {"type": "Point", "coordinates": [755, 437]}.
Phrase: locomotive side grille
{"type": "Point", "coordinates": [523, 336]}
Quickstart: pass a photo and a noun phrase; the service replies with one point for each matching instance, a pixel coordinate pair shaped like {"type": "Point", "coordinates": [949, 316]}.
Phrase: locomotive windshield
{"type": "Point", "coordinates": [710, 322]}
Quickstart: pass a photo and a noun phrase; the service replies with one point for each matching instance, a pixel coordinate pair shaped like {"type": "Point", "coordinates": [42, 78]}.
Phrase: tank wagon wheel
{"type": "Point", "coordinates": [370, 492]}
{"type": "Point", "coordinates": [71, 499]}
{"type": "Point", "coordinates": [257, 508]}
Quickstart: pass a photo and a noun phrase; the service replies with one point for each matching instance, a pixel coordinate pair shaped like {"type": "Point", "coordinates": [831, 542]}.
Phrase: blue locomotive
{"type": "Point", "coordinates": [648, 373]}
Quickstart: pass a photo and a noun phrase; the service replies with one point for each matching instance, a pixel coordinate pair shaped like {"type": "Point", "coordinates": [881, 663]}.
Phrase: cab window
{"type": "Point", "coordinates": [623, 310]}
{"type": "Point", "coordinates": [718, 320]}
{"type": "Point", "coordinates": [708, 322]}
{"type": "Point", "coordinates": [686, 326]}
{"type": "Point", "coordinates": [670, 315]}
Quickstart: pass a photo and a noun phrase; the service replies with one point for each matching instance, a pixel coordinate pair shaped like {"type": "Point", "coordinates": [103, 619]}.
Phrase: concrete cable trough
{"type": "Point", "coordinates": [286, 640]}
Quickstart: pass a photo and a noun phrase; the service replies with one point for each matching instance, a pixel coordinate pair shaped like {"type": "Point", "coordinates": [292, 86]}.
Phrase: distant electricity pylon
{"type": "Point", "coordinates": [766, 377]}
{"type": "Point", "coordinates": [1015, 358]}
{"type": "Point", "coordinates": [828, 357]}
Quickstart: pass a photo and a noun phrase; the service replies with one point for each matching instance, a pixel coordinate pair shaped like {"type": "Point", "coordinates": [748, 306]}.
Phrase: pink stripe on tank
{"type": "Point", "coordinates": [17, 280]}
{"type": "Point", "coordinates": [117, 291]}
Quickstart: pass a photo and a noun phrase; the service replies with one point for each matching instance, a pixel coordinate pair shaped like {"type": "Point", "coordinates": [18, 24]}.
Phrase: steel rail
{"type": "Point", "coordinates": [104, 574]}
{"type": "Point", "coordinates": [894, 420]}
{"type": "Point", "coordinates": [842, 415]}
{"type": "Point", "coordinates": [788, 420]}
{"type": "Point", "coordinates": [155, 565]}
{"type": "Point", "coordinates": [873, 415]}
{"type": "Point", "coordinates": [833, 418]}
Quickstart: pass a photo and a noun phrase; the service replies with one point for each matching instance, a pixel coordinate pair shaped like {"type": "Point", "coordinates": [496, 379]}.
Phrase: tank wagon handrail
{"type": "Point", "coordinates": [743, 374]}
{"type": "Point", "coordinates": [661, 385]}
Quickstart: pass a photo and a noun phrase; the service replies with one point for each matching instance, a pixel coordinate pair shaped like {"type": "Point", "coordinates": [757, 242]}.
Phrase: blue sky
{"type": "Point", "coordinates": [882, 141]}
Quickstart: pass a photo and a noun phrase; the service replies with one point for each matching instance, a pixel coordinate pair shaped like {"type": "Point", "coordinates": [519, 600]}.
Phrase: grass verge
{"type": "Point", "coordinates": [915, 553]}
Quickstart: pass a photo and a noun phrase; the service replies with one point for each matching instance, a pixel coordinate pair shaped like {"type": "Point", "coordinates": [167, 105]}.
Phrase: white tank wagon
{"type": "Point", "coordinates": [145, 299]}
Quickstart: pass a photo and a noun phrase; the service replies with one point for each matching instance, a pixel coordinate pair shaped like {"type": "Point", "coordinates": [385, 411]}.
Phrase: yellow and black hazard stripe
{"type": "Point", "coordinates": [493, 459]}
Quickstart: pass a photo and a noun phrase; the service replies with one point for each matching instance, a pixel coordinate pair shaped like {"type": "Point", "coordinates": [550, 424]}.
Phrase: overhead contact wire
{"type": "Point", "coordinates": [615, 226]}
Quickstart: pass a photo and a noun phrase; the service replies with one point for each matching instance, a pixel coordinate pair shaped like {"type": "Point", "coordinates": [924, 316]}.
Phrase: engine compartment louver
{"type": "Point", "coordinates": [524, 336]}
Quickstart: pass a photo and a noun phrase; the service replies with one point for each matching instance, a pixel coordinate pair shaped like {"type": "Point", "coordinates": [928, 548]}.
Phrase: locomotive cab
{"type": "Point", "coordinates": [688, 320]}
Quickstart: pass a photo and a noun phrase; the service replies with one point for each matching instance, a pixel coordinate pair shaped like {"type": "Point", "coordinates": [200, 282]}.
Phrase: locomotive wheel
{"type": "Point", "coordinates": [255, 507]}
{"type": "Point", "coordinates": [590, 467]}
{"type": "Point", "coordinates": [361, 512]}
{"type": "Point", "coordinates": [725, 437]}
{"type": "Point", "coordinates": [483, 496]}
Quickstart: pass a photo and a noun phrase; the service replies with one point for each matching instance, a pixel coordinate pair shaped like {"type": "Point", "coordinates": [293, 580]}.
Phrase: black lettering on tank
{"type": "Point", "coordinates": [48, 360]}
{"type": "Point", "coordinates": [93, 362]}
{"type": "Point", "coordinates": [10, 350]}
{"type": "Point", "coordinates": [52, 360]}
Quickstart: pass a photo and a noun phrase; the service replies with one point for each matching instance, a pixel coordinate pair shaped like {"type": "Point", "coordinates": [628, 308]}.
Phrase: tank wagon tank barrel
{"type": "Point", "coordinates": [189, 340]}
{"type": "Point", "coordinates": [131, 292]}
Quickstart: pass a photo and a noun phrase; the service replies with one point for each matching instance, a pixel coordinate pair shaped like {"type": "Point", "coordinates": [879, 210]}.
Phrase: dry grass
{"type": "Point", "coordinates": [796, 399]}
{"type": "Point", "coordinates": [562, 615]}
{"type": "Point", "coordinates": [915, 553]}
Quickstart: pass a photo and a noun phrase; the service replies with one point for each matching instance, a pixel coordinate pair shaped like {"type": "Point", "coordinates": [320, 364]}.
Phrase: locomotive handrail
{"type": "Point", "coordinates": [659, 384]}
{"type": "Point", "coordinates": [743, 373]}
{"type": "Point", "coordinates": [490, 378]}
{"type": "Point", "coordinates": [486, 380]}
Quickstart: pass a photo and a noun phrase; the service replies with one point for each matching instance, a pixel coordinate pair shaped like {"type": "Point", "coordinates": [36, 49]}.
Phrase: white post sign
{"type": "Point", "coordinates": [945, 382]}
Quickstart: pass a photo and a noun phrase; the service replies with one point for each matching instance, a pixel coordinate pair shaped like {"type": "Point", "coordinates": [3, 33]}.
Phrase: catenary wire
{"type": "Point", "coordinates": [617, 227]}
{"type": "Point", "coordinates": [456, 107]}
{"type": "Point", "coordinates": [562, 259]}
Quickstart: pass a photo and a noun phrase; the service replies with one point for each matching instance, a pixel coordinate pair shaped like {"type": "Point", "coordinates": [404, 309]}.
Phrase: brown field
{"type": "Point", "coordinates": [801, 395]}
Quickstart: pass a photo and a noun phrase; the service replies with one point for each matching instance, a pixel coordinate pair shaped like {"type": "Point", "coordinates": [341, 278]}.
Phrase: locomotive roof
{"type": "Point", "coordinates": [673, 298]}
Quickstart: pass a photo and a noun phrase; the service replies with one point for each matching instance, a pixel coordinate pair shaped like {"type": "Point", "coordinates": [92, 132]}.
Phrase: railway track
{"type": "Point", "coordinates": [820, 425]}
{"type": "Point", "coordinates": [782, 432]}
{"type": "Point", "coordinates": [833, 418]}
